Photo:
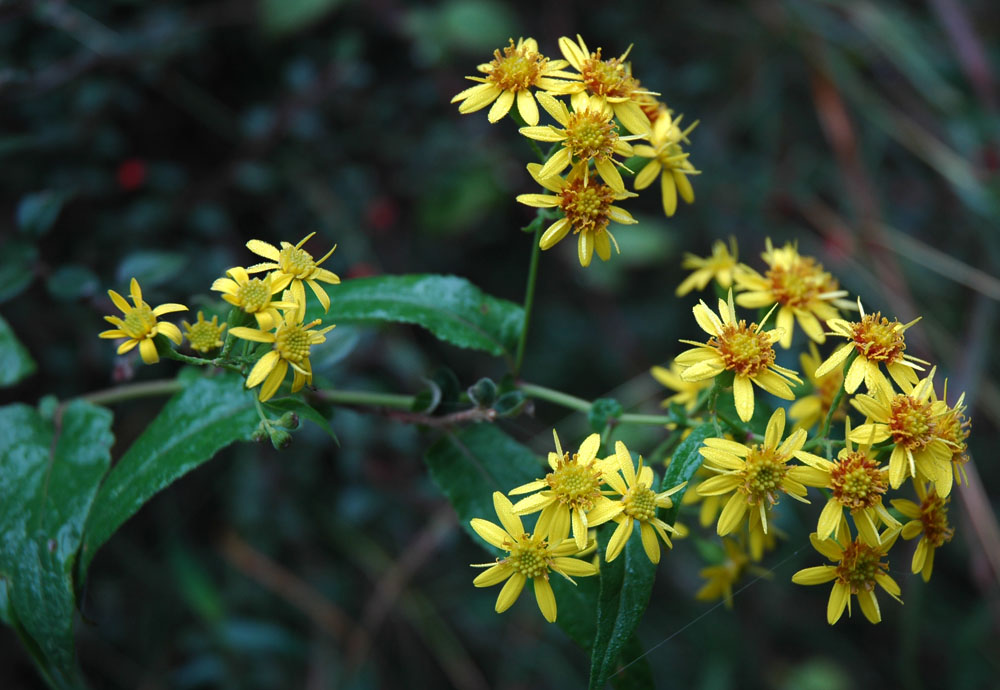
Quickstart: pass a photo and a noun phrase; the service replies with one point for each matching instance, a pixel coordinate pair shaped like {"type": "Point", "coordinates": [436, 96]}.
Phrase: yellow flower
{"type": "Point", "coordinates": [911, 421]}
{"type": "Point", "coordinates": [756, 475]}
{"type": "Point", "coordinates": [252, 295]}
{"type": "Point", "coordinates": [668, 161]}
{"type": "Point", "coordinates": [876, 341]}
{"type": "Point", "coordinates": [204, 336]}
{"type": "Point", "coordinates": [587, 210]}
{"type": "Point", "coordinates": [721, 266]}
{"type": "Point", "coordinates": [859, 567]}
{"type": "Point", "coordinates": [609, 81]}
{"type": "Point", "coordinates": [744, 350]}
{"type": "Point", "coordinates": [291, 340]}
{"type": "Point", "coordinates": [930, 521]}
{"type": "Point", "coordinates": [292, 266]}
{"type": "Point", "coordinates": [530, 556]}
{"type": "Point", "coordinates": [638, 503]}
{"type": "Point", "coordinates": [570, 494]}
{"type": "Point", "coordinates": [723, 576]}
{"type": "Point", "coordinates": [856, 483]}
{"type": "Point", "coordinates": [708, 506]}
{"type": "Point", "coordinates": [588, 134]}
{"type": "Point", "coordinates": [511, 76]}
{"type": "Point", "coordinates": [140, 325]}
{"type": "Point", "coordinates": [953, 429]}
{"type": "Point", "coordinates": [812, 409]}
{"type": "Point", "coordinates": [686, 391]}
{"type": "Point", "coordinates": [799, 285]}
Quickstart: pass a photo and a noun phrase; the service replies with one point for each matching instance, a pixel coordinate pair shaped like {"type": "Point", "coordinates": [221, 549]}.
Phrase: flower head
{"type": "Point", "coordinates": [803, 291]}
{"type": "Point", "coordinates": [204, 336]}
{"type": "Point", "coordinates": [668, 161]}
{"type": "Point", "coordinates": [953, 429]}
{"type": "Point", "coordinates": [570, 495]}
{"type": "Point", "coordinates": [722, 576]}
{"type": "Point", "coordinates": [811, 409]}
{"type": "Point", "coordinates": [252, 295]}
{"type": "Point", "coordinates": [859, 568]}
{"type": "Point", "coordinates": [529, 557]}
{"type": "Point", "coordinates": [721, 266]}
{"type": "Point", "coordinates": [139, 325]}
{"type": "Point", "coordinates": [638, 503]}
{"type": "Point", "coordinates": [876, 341]}
{"type": "Point", "coordinates": [292, 266]}
{"type": "Point", "coordinates": [291, 342]}
{"type": "Point", "coordinates": [929, 521]}
{"type": "Point", "coordinates": [756, 475]}
{"type": "Point", "coordinates": [686, 391]}
{"type": "Point", "coordinates": [746, 351]}
{"type": "Point", "coordinates": [587, 211]}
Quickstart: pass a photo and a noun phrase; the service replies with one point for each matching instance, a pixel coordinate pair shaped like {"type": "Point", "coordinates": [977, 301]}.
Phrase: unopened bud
{"type": "Point", "coordinates": [280, 439]}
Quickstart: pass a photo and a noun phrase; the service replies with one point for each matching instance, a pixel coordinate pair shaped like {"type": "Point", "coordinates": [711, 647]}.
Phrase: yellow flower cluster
{"type": "Point", "coordinates": [582, 491]}
{"type": "Point", "coordinates": [606, 109]}
{"type": "Point", "coordinates": [904, 431]}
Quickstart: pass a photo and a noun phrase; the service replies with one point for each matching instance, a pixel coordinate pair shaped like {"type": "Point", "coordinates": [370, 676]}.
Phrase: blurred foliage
{"type": "Point", "coordinates": [156, 138]}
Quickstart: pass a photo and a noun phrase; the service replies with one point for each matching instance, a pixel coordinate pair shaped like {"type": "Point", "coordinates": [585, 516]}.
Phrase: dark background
{"type": "Point", "coordinates": [174, 132]}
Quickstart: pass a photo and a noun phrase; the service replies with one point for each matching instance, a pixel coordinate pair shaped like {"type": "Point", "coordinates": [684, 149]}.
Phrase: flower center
{"type": "Point", "coordinates": [204, 336]}
{"type": "Point", "coordinates": [296, 262]}
{"type": "Point", "coordinates": [934, 518]}
{"type": "Point", "coordinates": [800, 284]}
{"type": "Point", "coordinates": [139, 322]}
{"type": "Point", "coordinates": [576, 485]}
{"type": "Point", "coordinates": [292, 342]}
{"type": "Point", "coordinates": [590, 134]}
{"type": "Point", "coordinates": [640, 503]}
{"type": "Point", "coordinates": [859, 565]}
{"type": "Point", "coordinates": [857, 481]}
{"type": "Point", "coordinates": [607, 77]}
{"type": "Point", "coordinates": [743, 350]}
{"type": "Point", "coordinates": [530, 558]}
{"type": "Point", "coordinates": [763, 474]}
{"type": "Point", "coordinates": [586, 207]}
{"type": "Point", "coordinates": [910, 422]}
{"type": "Point", "coordinates": [517, 69]}
{"type": "Point", "coordinates": [877, 339]}
{"type": "Point", "coordinates": [254, 295]}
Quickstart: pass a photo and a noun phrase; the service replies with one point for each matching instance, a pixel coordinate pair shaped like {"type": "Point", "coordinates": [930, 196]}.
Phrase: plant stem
{"type": "Point", "coordinates": [580, 405]}
{"type": "Point", "coordinates": [371, 398]}
{"type": "Point", "coordinates": [130, 391]}
{"type": "Point", "coordinates": [529, 300]}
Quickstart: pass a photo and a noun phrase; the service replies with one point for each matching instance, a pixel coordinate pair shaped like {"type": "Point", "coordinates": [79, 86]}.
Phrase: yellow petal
{"type": "Point", "coordinates": [743, 397]}
{"type": "Point", "coordinates": [527, 107]}
{"type": "Point", "coordinates": [585, 248]}
{"type": "Point", "coordinates": [147, 350]}
{"type": "Point", "coordinates": [493, 576]}
{"type": "Point", "coordinates": [501, 107]}
{"type": "Point", "coordinates": [618, 539]}
{"type": "Point", "coordinates": [546, 599]}
{"type": "Point", "coordinates": [838, 601]}
{"type": "Point", "coordinates": [508, 595]}
{"type": "Point", "coordinates": [260, 248]}
{"type": "Point", "coordinates": [491, 533]}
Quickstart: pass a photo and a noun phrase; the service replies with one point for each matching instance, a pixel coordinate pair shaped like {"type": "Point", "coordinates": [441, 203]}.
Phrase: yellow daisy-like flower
{"type": "Point", "coordinates": [204, 336]}
{"type": "Point", "coordinates": [723, 576]}
{"type": "Point", "coordinates": [609, 81]}
{"type": "Point", "coordinates": [587, 211]}
{"type": "Point", "coordinates": [510, 76]}
{"type": "Point", "coordinates": [140, 325]}
{"type": "Point", "coordinates": [744, 350]}
{"type": "Point", "coordinates": [530, 557]}
{"type": "Point", "coordinates": [799, 285]}
{"type": "Point", "coordinates": [876, 341]}
{"type": "Point", "coordinates": [859, 568]}
{"type": "Point", "coordinates": [721, 266]}
{"type": "Point", "coordinates": [812, 409]}
{"type": "Point", "coordinates": [756, 475]}
{"type": "Point", "coordinates": [953, 429]}
{"type": "Point", "coordinates": [929, 521]}
{"type": "Point", "coordinates": [252, 295]}
{"type": "Point", "coordinates": [638, 503]}
{"type": "Point", "coordinates": [856, 483]}
{"type": "Point", "coordinates": [292, 266]}
{"type": "Point", "coordinates": [911, 421]}
{"type": "Point", "coordinates": [588, 134]}
{"type": "Point", "coordinates": [686, 391]}
{"type": "Point", "coordinates": [291, 340]}
{"type": "Point", "coordinates": [569, 495]}
{"type": "Point", "coordinates": [668, 161]}
{"type": "Point", "coordinates": [708, 506]}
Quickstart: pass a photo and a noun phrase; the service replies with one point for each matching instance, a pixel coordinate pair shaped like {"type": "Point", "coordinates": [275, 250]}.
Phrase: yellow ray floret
{"type": "Point", "coordinates": [929, 521]}
{"type": "Point", "coordinates": [720, 266]}
{"type": "Point", "coordinates": [668, 161]}
{"type": "Point", "coordinates": [252, 295]}
{"type": "Point", "coordinates": [292, 266]}
{"type": "Point", "coordinates": [139, 325]}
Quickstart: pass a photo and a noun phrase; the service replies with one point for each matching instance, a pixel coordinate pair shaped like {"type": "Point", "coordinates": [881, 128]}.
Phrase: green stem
{"type": "Point", "coordinates": [516, 117]}
{"type": "Point", "coordinates": [580, 405]}
{"type": "Point", "coordinates": [170, 353]}
{"type": "Point", "coordinates": [828, 420]}
{"type": "Point", "coordinates": [131, 391]}
{"type": "Point", "coordinates": [370, 398]}
{"type": "Point", "coordinates": [652, 419]}
{"type": "Point", "coordinates": [713, 399]}
{"type": "Point", "coordinates": [529, 300]}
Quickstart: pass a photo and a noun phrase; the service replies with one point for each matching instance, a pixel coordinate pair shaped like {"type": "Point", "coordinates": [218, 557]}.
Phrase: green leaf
{"type": "Point", "coordinates": [626, 584]}
{"type": "Point", "coordinates": [150, 268]}
{"type": "Point", "coordinates": [684, 463]}
{"type": "Point", "coordinates": [36, 213]}
{"type": "Point", "coordinates": [303, 410]}
{"type": "Point", "coordinates": [284, 16]}
{"type": "Point", "coordinates": [638, 675]}
{"type": "Point", "coordinates": [483, 392]}
{"type": "Point", "coordinates": [17, 268]}
{"type": "Point", "coordinates": [49, 474]}
{"type": "Point", "coordinates": [601, 411]}
{"type": "Point", "coordinates": [193, 426]}
{"type": "Point", "coordinates": [72, 282]}
{"type": "Point", "coordinates": [451, 308]}
{"type": "Point", "coordinates": [15, 362]}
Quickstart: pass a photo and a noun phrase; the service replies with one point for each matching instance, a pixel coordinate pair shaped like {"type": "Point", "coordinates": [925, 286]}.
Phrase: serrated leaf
{"type": "Point", "coordinates": [15, 362]}
{"type": "Point", "coordinates": [626, 584]}
{"type": "Point", "coordinates": [305, 411]}
{"type": "Point", "coordinates": [17, 268]}
{"type": "Point", "coordinates": [193, 426]}
{"type": "Point", "coordinates": [49, 474]}
{"type": "Point", "coordinates": [684, 463]}
{"type": "Point", "coordinates": [451, 308]}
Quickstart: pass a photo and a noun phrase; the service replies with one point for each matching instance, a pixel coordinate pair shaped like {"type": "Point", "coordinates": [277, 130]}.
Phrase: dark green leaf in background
{"type": "Point", "coordinates": [303, 410]}
{"type": "Point", "coordinates": [72, 282]}
{"type": "Point", "coordinates": [17, 268]}
{"type": "Point", "coordinates": [150, 268]}
{"type": "Point", "coordinates": [37, 212]}
{"type": "Point", "coordinates": [193, 426]}
{"type": "Point", "coordinates": [285, 16]}
{"type": "Point", "coordinates": [49, 474]}
{"type": "Point", "coordinates": [15, 362]}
